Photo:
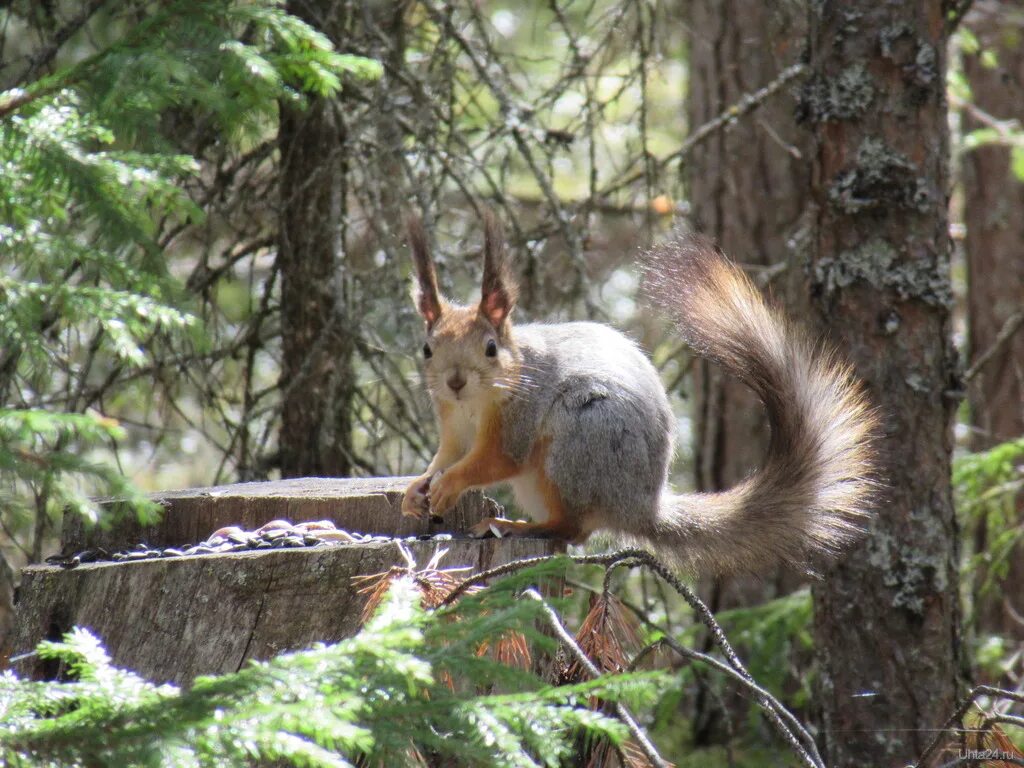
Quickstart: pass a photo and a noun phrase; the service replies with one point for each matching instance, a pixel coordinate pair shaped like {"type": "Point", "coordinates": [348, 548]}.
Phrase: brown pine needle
{"type": "Point", "coordinates": [629, 755]}
{"type": "Point", "coordinates": [608, 636]}
{"type": "Point", "coordinates": [435, 584]}
{"type": "Point", "coordinates": [512, 650]}
{"type": "Point", "coordinates": [983, 735]}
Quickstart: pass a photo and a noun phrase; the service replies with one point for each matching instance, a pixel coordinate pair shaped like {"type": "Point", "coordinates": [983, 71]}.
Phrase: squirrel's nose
{"type": "Point", "coordinates": [456, 382]}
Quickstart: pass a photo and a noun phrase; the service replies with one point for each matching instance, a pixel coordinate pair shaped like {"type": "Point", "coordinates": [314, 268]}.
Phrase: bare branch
{"type": "Point", "coordinates": [567, 639]}
{"type": "Point", "coordinates": [1010, 327]}
{"type": "Point", "coordinates": [955, 721]}
{"type": "Point", "coordinates": [794, 733]}
{"type": "Point", "coordinates": [741, 108]}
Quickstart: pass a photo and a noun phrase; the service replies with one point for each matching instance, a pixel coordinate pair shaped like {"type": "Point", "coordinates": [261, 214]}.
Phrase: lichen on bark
{"type": "Point", "coordinates": [916, 57]}
{"type": "Point", "coordinates": [911, 574]}
{"type": "Point", "coordinates": [879, 177]}
{"type": "Point", "coordinates": [880, 265]}
{"type": "Point", "coordinates": [846, 95]}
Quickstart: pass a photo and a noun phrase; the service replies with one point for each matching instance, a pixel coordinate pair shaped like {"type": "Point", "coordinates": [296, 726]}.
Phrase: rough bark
{"type": "Point", "coordinates": [317, 376]}
{"type": "Point", "coordinates": [173, 619]}
{"type": "Point", "coordinates": [887, 619]}
{"type": "Point", "coordinates": [994, 217]}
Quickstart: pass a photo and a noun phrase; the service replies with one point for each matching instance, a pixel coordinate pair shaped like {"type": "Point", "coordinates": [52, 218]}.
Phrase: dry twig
{"type": "Point", "coordinates": [787, 725]}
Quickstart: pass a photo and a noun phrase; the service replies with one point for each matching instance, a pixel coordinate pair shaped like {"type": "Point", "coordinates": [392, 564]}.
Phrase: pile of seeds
{"type": "Point", "coordinates": [277, 534]}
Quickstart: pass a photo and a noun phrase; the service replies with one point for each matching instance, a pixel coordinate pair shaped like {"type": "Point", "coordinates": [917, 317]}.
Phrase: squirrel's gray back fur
{"type": "Point", "coordinates": [590, 392]}
{"type": "Point", "coordinates": [587, 390]}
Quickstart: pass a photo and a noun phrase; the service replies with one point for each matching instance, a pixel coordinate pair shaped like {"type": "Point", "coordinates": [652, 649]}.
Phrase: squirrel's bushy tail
{"type": "Point", "coordinates": [815, 488]}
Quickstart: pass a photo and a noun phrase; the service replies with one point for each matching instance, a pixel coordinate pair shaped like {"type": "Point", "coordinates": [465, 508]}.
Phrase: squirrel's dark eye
{"type": "Point", "coordinates": [427, 352]}
{"type": "Point", "coordinates": [492, 348]}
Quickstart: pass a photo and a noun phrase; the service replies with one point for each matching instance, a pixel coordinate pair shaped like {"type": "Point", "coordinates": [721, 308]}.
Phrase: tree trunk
{"type": "Point", "coordinates": [317, 377]}
{"type": "Point", "coordinates": [887, 618]}
{"type": "Point", "coordinates": [994, 215]}
{"type": "Point", "coordinates": [735, 48]}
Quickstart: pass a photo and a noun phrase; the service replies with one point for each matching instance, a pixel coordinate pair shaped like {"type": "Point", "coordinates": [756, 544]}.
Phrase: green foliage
{"type": "Point", "coordinates": [776, 643]}
{"type": "Point", "coordinates": [381, 696]}
{"type": "Point", "coordinates": [989, 480]}
{"type": "Point", "coordinates": [736, 757]}
{"type": "Point", "coordinates": [226, 60]}
{"type": "Point", "coordinates": [771, 634]}
{"type": "Point", "coordinates": [990, 655]}
{"type": "Point", "coordinates": [34, 454]}
{"type": "Point", "coordinates": [95, 172]}
{"type": "Point", "coordinates": [993, 131]}
{"type": "Point", "coordinates": [987, 485]}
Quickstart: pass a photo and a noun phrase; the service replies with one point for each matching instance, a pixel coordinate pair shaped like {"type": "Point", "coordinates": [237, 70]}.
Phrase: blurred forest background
{"type": "Point", "coordinates": [205, 278]}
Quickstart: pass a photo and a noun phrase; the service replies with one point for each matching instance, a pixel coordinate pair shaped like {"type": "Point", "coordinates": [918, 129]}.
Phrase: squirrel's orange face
{"type": "Point", "coordinates": [465, 357]}
{"type": "Point", "coordinates": [469, 353]}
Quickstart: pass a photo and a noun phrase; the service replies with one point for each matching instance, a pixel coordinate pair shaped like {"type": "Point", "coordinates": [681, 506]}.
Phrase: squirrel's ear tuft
{"type": "Point", "coordinates": [424, 290]}
{"type": "Point", "coordinates": [499, 293]}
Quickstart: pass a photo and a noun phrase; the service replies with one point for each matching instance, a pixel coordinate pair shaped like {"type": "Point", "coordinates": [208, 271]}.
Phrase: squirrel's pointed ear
{"type": "Point", "coordinates": [498, 296]}
{"type": "Point", "coordinates": [424, 291]}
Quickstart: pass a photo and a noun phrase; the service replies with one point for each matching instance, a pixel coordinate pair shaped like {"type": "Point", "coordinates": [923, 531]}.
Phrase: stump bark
{"type": "Point", "coordinates": [172, 619]}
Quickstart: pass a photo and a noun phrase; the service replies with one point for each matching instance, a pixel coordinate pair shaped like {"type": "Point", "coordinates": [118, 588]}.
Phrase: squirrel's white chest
{"type": "Point", "coordinates": [464, 421]}
{"type": "Point", "coordinates": [526, 488]}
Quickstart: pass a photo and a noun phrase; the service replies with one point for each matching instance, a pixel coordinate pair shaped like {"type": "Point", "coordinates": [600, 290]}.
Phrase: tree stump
{"type": "Point", "coordinates": [173, 618]}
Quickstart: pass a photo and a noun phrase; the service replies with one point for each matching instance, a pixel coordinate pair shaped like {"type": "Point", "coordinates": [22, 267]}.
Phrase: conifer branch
{"type": "Point", "coordinates": [567, 639]}
{"type": "Point", "coordinates": [798, 738]}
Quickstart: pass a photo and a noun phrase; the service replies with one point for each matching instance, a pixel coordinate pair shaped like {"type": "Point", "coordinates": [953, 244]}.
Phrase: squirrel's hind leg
{"type": "Point", "coordinates": [500, 527]}
{"type": "Point", "coordinates": [540, 498]}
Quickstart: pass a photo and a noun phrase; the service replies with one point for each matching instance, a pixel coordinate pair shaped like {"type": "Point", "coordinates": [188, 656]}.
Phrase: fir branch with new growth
{"type": "Point", "coordinates": [94, 175]}
{"type": "Point", "coordinates": [384, 696]}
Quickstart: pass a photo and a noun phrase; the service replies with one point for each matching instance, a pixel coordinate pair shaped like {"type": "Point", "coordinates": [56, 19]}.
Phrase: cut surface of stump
{"type": "Point", "coordinates": [366, 505]}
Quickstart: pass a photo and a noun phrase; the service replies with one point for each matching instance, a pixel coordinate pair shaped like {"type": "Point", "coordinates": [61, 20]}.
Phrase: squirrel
{"type": "Point", "coordinates": [575, 418]}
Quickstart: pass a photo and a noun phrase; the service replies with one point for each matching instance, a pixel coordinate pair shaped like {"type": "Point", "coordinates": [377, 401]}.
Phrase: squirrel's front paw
{"type": "Point", "coordinates": [415, 502]}
{"type": "Point", "coordinates": [445, 490]}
